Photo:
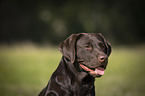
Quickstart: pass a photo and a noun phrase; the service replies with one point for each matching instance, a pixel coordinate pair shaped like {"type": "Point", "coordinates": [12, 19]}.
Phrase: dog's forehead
{"type": "Point", "coordinates": [89, 37]}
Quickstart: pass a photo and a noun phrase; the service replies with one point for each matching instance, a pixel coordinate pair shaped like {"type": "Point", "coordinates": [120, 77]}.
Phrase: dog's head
{"type": "Point", "coordinates": [89, 50]}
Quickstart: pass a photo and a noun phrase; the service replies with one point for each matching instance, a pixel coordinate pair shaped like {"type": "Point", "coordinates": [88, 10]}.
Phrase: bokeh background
{"type": "Point", "coordinates": [30, 31]}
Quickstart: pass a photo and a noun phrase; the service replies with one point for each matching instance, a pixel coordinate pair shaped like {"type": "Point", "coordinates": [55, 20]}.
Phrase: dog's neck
{"type": "Point", "coordinates": [77, 71]}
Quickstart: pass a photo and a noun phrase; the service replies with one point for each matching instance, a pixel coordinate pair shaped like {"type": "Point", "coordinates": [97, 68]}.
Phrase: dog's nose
{"type": "Point", "coordinates": [102, 58]}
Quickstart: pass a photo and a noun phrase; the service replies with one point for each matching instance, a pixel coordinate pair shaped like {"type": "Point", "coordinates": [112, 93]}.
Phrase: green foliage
{"type": "Point", "coordinates": [24, 71]}
{"type": "Point", "coordinates": [40, 21]}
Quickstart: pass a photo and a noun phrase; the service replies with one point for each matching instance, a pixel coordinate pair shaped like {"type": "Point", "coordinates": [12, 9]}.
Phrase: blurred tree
{"type": "Point", "coordinates": [121, 21]}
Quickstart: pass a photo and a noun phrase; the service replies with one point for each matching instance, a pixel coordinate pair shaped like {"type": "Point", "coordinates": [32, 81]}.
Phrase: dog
{"type": "Point", "coordinates": [85, 56]}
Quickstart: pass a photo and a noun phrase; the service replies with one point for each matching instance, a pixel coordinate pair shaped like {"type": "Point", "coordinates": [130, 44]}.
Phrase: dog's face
{"type": "Point", "coordinates": [89, 50]}
{"type": "Point", "coordinates": [92, 52]}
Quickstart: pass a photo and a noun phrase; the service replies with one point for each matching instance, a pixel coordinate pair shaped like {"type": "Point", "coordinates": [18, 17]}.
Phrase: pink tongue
{"type": "Point", "coordinates": [100, 70]}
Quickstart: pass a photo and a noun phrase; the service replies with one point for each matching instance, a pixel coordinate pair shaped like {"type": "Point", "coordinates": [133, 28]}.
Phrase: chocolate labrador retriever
{"type": "Point", "coordinates": [85, 56]}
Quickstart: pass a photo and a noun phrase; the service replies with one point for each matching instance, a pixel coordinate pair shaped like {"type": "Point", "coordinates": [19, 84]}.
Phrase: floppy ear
{"type": "Point", "coordinates": [107, 44]}
{"type": "Point", "coordinates": [67, 47]}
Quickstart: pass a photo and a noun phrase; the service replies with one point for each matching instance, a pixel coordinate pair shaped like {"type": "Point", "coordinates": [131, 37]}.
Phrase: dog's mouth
{"type": "Point", "coordinates": [95, 72]}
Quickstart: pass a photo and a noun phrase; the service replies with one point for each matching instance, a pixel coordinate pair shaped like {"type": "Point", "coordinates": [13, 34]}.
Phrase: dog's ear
{"type": "Point", "coordinates": [109, 49]}
{"type": "Point", "coordinates": [107, 44]}
{"type": "Point", "coordinates": [67, 47]}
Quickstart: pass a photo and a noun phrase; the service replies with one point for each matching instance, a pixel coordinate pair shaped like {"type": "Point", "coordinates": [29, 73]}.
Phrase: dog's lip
{"type": "Point", "coordinates": [95, 72]}
{"type": "Point", "coordinates": [93, 67]}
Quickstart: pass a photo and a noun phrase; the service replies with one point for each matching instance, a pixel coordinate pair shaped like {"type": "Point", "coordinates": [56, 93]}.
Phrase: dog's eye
{"type": "Point", "coordinates": [101, 46]}
{"type": "Point", "coordinates": [88, 46]}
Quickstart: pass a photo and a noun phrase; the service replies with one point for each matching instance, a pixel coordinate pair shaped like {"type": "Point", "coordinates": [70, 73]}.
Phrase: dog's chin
{"type": "Point", "coordinates": [98, 76]}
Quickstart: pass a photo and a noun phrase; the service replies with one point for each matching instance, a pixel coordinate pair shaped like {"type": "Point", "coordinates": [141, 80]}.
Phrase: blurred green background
{"type": "Point", "coordinates": [26, 69]}
{"type": "Point", "coordinates": [30, 32]}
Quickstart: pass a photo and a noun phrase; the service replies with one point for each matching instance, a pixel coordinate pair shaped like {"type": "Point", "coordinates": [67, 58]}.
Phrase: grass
{"type": "Point", "coordinates": [25, 70]}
